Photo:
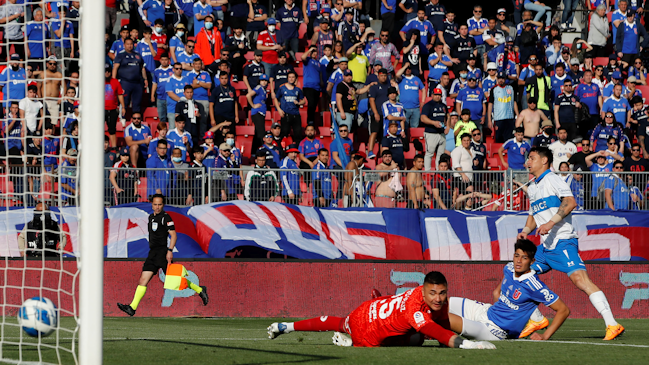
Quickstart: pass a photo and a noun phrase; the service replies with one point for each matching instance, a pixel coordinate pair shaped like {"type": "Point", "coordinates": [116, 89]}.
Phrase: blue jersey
{"type": "Point", "coordinates": [138, 134]}
{"type": "Point", "coordinates": [619, 107]}
{"type": "Point", "coordinates": [324, 177]}
{"type": "Point", "coordinates": [13, 135]}
{"type": "Point", "coordinates": [175, 86]}
{"type": "Point", "coordinates": [117, 47]}
{"type": "Point", "coordinates": [36, 32]}
{"type": "Point", "coordinates": [178, 43]}
{"type": "Point", "coordinates": [160, 77]}
{"type": "Point", "coordinates": [409, 91]}
{"type": "Point", "coordinates": [187, 6]}
{"type": "Point", "coordinates": [556, 87]}
{"type": "Point", "coordinates": [476, 72]}
{"type": "Point", "coordinates": [259, 98]}
{"type": "Point", "coordinates": [601, 135]}
{"type": "Point", "coordinates": [519, 297]}
{"type": "Point", "coordinates": [395, 110]}
{"type": "Point", "coordinates": [290, 20]}
{"type": "Point", "coordinates": [608, 90]}
{"type": "Point", "coordinates": [176, 137]}
{"type": "Point", "coordinates": [347, 148]}
{"type": "Point", "coordinates": [312, 77]}
{"type": "Point", "coordinates": [335, 78]}
{"type": "Point", "coordinates": [391, 3]}
{"type": "Point", "coordinates": [577, 189]}
{"type": "Point", "coordinates": [13, 84]}
{"type": "Point", "coordinates": [630, 43]}
{"type": "Point", "coordinates": [147, 56]}
{"type": "Point", "coordinates": [439, 68]}
{"type": "Point", "coordinates": [310, 148]}
{"type": "Point", "coordinates": [273, 159]}
{"type": "Point", "coordinates": [66, 34]}
{"type": "Point", "coordinates": [184, 57]}
{"type": "Point", "coordinates": [290, 176]}
{"type": "Point", "coordinates": [619, 192]}
{"type": "Point", "coordinates": [130, 66]}
{"type": "Point", "coordinates": [151, 151]}
{"type": "Point", "coordinates": [50, 151]}
{"type": "Point", "coordinates": [487, 85]}
{"type": "Point", "coordinates": [69, 175]}
{"type": "Point", "coordinates": [600, 176]}
{"type": "Point", "coordinates": [200, 93]}
{"type": "Point", "coordinates": [154, 10]}
{"type": "Point", "coordinates": [426, 31]}
{"type": "Point", "coordinates": [473, 100]}
{"type": "Point", "coordinates": [210, 158]}
{"type": "Point", "coordinates": [288, 97]}
{"type": "Point", "coordinates": [589, 96]}
{"type": "Point", "coordinates": [203, 10]}
{"type": "Point", "coordinates": [516, 153]}
{"type": "Point", "coordinates": [158, 179]}
{"type": "Point", "coordinates": [476, 24]}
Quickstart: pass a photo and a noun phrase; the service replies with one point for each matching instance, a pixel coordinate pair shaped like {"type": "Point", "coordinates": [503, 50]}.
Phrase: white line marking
{"type": "Point", "coordinates": [585, 343]}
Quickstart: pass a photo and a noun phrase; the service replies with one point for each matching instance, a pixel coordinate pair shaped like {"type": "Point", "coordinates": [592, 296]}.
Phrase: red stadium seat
{"type": "Point", "coordinates": [239, 85]}
{"type": "Point", "coordinates": [245, 131]}
{"type": "Point", "coordinates": [150, 112]}
{"type": "Point", "coordinates": [644, 89]}
{"type": "Point", "coordinates": [324, 131]}
{"type": "Point", "coordinates": [244, 143]}
{"type": "Point", "coordinates": [417, 133]}
{"type": "Point", "coordinates": [493, 163]}
{"type": "Point", "coordinates": [142, 190]}
{"type": "Point", "coordinates": [243, 101]}
{"type": "Point", "coordinates": [410, 154]}
{"type": "Point", "coordinates": [600, 61]}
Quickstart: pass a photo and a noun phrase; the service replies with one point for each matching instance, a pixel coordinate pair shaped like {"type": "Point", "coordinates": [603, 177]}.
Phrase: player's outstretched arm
{"type": "Point", "coordinates": [450, 339]}
{"type": "Point", "coordinates": [562, 313]}
{"type": "Point", "coordinates": [568, 203]}
{"type": "Point", "coordinates": [530, 225]}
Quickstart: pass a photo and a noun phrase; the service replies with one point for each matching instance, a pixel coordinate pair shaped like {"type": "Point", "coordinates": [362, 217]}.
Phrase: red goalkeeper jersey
{"type": "Point", "coordinates": [375, 321]}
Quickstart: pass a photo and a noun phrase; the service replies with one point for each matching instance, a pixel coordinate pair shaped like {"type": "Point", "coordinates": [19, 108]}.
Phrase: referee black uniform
{"type": "Point", "coordinates": [159, 227]}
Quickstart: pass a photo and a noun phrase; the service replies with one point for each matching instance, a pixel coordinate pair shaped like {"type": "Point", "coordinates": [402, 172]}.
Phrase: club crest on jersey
{"type": "Point", "coordinates": [517, 294]}
{"type": "Point", "coordinates": [509, 91]}
{"type": "Point", "coordinates": [154, 226]}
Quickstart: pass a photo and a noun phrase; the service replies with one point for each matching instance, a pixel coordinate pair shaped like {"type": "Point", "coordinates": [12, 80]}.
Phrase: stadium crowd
{"type": "Point", "coordinates": [312, 86]}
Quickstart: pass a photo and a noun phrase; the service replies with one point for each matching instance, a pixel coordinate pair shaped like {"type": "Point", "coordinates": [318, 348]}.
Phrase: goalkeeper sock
{"type": "Point", "coordinates": [320, 324]}
{"type": "Point", "coordinates": [139, 294]}
{"type": "Point", "coordinates": [601, 304]}
{"type": "Point", "coordinates": [194, 287]}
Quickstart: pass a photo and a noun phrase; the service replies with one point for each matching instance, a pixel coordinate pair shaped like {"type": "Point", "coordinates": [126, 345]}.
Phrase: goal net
{"type": "Point", "coordinates": [47, 61]}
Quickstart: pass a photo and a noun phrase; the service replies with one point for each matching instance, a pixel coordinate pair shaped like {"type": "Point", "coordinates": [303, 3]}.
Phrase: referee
{"type": "Point", "coordinates": [160, 227]}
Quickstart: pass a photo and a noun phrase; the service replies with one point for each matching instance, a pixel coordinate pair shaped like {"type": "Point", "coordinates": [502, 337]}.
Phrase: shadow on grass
{"type": "Point", "coordinates": [309, 357]}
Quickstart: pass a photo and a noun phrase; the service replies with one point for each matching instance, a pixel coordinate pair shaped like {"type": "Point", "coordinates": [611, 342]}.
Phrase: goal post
{"type": "Point", "coordinates": [91, 222]}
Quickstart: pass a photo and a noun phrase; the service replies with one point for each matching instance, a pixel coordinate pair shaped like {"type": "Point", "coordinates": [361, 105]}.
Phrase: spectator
{"type": "Point", "coordinates": [564, 113]}
{"type": "Point", "coordinates": [201, 83]}
{"type": "Point", "coordinates": [601, 169]}
{"type": "Point", "coordinates": [615, 190]}
{"type": "Point", "coordinates": [224, 109]}
{"type": "Point", "coordinates": [289, 99]}
{"type": "Point", "coordinates": [383, 51]}
{"type": "Point", "coordinates": [270, 151]}
{"type": "Point", "coordinates": [637, 200]}
{"type": "Point", "coordinates": [433, 115]}
{"type": "Point", "coordinates": [477, 27]}
{"type": "Point", "coordinates": [472, 98]}
{"type": "Point", "coordinates": [124, 180]}
{"type": "Point", "coordinates": [175, 88]}
{"type": "Point", "coordinates": [12, 81]}
{"type": "Point", "coordinates": [197, 182]}
{"type": "Point", "coordinates": [438, 63]}
{"type": "Point", "coordinates": [393, 111]}
{"type": "Point", "coordinates": [635, 163]}
{"type": "Point", "coordinates": [418, 196]}
{"type": "Point", "coordinates": [503, 25]}
{"type": "Point", "coordinates": [613, 151]}
{"type": "Point", "coordinates": [638, 71]}
{"type": "Point", "coordinates": [627, 39]}
{"type": "Point", "coordinates": [323, 36]}
{"type": "Point", "coordinates": [553, 53]}
{"type": "Point", "coordinates": [410, 95]}
{"type": "Point", "coordinates": [502, 110]}
{"type": "Point", "coordinates": [574, 73]}
{"type": "Point", "coordinates": [527, 73]}
{"type": "Point", "coordinates": [394, 143]}
{"type": "Point", "coordinates": [530, 119]}
{"type": "Point", "coordinates": [574, 182]}
{"type": "Point", "coordinates": [279, 73]}
{"type": "Point", "coordinates": [191, 113]}
{"type": "Point", "coordinates": [113, 94]}
{"type": "Point", "coordinates": [312, 80]}
{"type": "Point", "coordinates": [453, 118]}
{"type": "Point", "coordinates": [546, 137]}
{"type": "Point", "coordinates": [348, 30]}
{"type": "Point", "coordinates": [463, 45]}
{"type": "Point", "coordinates": [590, 95]}
{"type": "Point", "coordinates": [267, 41]}
{"type": "Point", "coordinates": [62, 31]}
{"type": "Point", "coordinates": [351, 187]}
{"type": "Point", "coordinates": [358, 63]}
{"type": "Point", "coordinates": [631, 82]}
{"type": "Point", "coordinates": [347, 146]}
{"type": "Point", "coordinates": [128, 68]}
{"type": "Point", "coordinates": [463, 126]}
{"type": "Point", "coordinates": [137, 136]}
{"type": "Point", "coordinates": [472, 69]}
{"type": "Point", "coordinates": [257, 101]}
{"type": "Point", "coordinates": [162, 134]}
{"type": "Point", "coordinates": [598, 33]}
{"type": "Point", "coordinates": [158, 171]}
{"type": "Point", "coordinates": [69, 175]}
{"type": "Point", "coordinates": [231, 182]}
{"type": "Point", "coordinates": [237, 44]}
{"type": "Point", "coordinates": [617, 105]}
{"type": "Point", "coordinates": [257, 14]}
{"type": "Point", "coordinates": [308, 150]}
{"type": "Point", "coordinates": [71, 142]}
{"type": "Point", "coordinates": [31, 109]}
{"type": "Point", "coordinates": [538, 87]}
{"type": "Point", "coordinates": [148, 50]}
{"type": "Point", "coordinates": [290, 18]}
{"type": "Point", "coordinates": [322, 182]}
{"type": "Point", "coordinates": [384, 195]}
{"type": "Point", "coordinates": [388, 11]}
{"type": "Point", "coordinates": [290, 179]}
{"type": "Point", "coordinates": [578, 160]}
{"type": "Point", "coordinates": [642, 120]}
{"type": "Point", "coordinates": [479, 150]}
{"type": "Point", "coordinates": [37, 32]}
{"type": "Point", "coordinates": [261, 183]}
{"type": "Point", "coordinates": [50, 147]}
{"type": "Point", "coordinates": [209, 42]}
{"type": "Point", "coordinates": [447, 34]}
{"type": "Point", "coordinates": [517, 150]}
{"type": "Point", "coordinates": [161, 76]}
{"type": "Point", "coordinates": [178, 178]}
{"type": "Point", "coordinates": [427, 32]}
{"type": "Point", "coordinates": [14, 131]}
{"type": "Point", "coordinates": [201, 10]}
{"type": "Point", "coordinates": [463, 161]}
{"type": "Point", "coordinates": [12, 15]}
{"type": "Point", "coordinates": [541, 10]}
{"type": "Point", "coordinates": [378, 95]}
{"type": "Point", "coordinates": [562, 149]}
{"type": "Point", "coordinates": [346, 100]}
{"type": "Point", "coordinates": [459, 83]}
{"type": "Point", "coordinates": [442, 187]}
{"type": "Point", "coordinates": [616, 79]}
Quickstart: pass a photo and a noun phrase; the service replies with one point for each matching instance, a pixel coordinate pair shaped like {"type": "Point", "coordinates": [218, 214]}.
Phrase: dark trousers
{"type": "Point", "coordinates": [292, 121]}
{"type": "Point", "coordinates": [313, 98]}
{"type": "Point", "coordinates": [388, 22]}
{"type": "Point", "coordinates": [571, 128]}
{"type": "Point", "coordinates": [259, 122]}
{"type": "Point", "coordinates": [19, 47]}
{"type": "Point", "coordinates": [504, 129]}
{"type": "Point", "coordinates": [132, 94]}
{"type": "Point", "coordinates": [237, 66]}
{"type": "Point", "coordinates": [193, 129]}
{"type": "Point", "coordinates": [599, 51]}
{"type": "Point", "coordinates": [304, 165]}
{"type": "Point", "coordinates": [309, 27]}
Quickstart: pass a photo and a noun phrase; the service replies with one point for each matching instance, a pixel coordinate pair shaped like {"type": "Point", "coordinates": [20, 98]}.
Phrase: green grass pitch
{"type": "Point", "coordinates": [244, 341]}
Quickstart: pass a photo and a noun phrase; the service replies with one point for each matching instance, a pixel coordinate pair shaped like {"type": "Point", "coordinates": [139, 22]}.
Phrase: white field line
{"type": "Point", "coordinates": [585, 343]}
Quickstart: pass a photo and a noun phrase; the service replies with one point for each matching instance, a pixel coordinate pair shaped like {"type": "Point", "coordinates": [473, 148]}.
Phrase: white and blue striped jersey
{"type": "Point", "coordinates": [519, 297]}
{"type": "Point", "coordinates": [545, 195]}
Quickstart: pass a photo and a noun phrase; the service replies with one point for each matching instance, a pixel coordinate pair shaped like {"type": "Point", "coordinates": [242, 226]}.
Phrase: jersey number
{"type": "Point", "coordinates": [387, 308]}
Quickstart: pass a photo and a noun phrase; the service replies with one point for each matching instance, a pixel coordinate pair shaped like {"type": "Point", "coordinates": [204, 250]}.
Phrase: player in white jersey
{"type": "Point", "coordinates": [516, 297]}
{"type": "Point", "coordinates": [551, 204]}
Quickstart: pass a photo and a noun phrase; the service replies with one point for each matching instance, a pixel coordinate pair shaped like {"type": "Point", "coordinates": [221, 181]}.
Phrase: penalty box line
{"type": "Point", "coordinates": [582, 343]}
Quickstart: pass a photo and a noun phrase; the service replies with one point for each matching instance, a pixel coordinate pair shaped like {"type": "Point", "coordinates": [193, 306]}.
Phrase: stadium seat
{"type": "Point", "coordinates": [410, 154]}
{"type": "Point", "coordinates": [245, 131]}
{"type": "Point", "coordinates": [142, 190]}
{"type": "Point", "coordinates": [324, 131]}
{"type": "Point", "coordinates": [493, 163]}
{"type": "Point", "coordinates": [243, 101]}
{"type": "Point", "coordinates": [416, 133]}
{"type": "Point", "coordinates": [644, 89]}
{"type": "Point", "coordinates": [600, 61]}
{"type": "Point", "coordinates": [150, 112]}
{"type": "Point", "coordinates": [239, 85]}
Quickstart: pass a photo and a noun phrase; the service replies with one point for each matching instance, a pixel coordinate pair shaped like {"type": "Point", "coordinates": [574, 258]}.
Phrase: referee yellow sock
{"type": "Point", "coordinates": [194, 287]}
{"type": "Point", "coordinates": [139, 294]}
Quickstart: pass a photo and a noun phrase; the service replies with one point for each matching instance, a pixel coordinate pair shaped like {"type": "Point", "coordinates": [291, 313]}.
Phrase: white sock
{"type": "Point", "coordinates": [536, 315]}
{"type": "Point", "coordinates": [477, 331]}
{"type": "Point", "coordinates": [601, 304]}
{"type": "Point", "coordinates": [289, 327]}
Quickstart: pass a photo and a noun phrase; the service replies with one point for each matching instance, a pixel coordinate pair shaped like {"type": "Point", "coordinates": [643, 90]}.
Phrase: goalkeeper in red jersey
{"type": "Point", "coordinates": [398, 320]}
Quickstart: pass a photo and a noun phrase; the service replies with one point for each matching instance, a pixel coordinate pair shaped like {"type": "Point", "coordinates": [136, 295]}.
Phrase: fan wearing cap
{"type": "Point", "coordinates": [394, 143]}
{"type": "Point", "coordinates": [118, 45]}
{"type": "Point", "coordinates": [564, 112]}
{"type": "Point", "coordinates": [290, 176]}
{"type": "Point", "coordinates": [627, 39]}
{"type": "Point", "coordinates": [13, 81]}
{"type": "Point", "coordinates": [210, 151]}
{"type": "Point", "coordinates": [279, 73]}
{"type": "Point", "coordinates": [348, 30]}
{"type": "Point", "coordinates": [267, 41]}
{"type": "Point", "coordinates": [253, 71]}
{"type": "Point", "coordinates": [546, 137]}
{"type": "Point", "coordinates": [574, 73]}
{"type": "Point", "coordinates": [490, 80]}
{"type": "Point", "coordinates": [323, 34]}
{"type": "Point", "coordinates": [124, 180]}
{"type": "Point", "coordinates": [336, 78]}
{"type": "Point", "coordinates": [257, 101]}
{"type": "Point", "coordinates": [69, 175]}
{"type": "Point", "coordinates": [271, 153]}
{"type": "Point", "coordinates": [632, 83]}
{"type": "Point", "coordinates": [393, 111]}
{"type": "Point", "coordinates": [176, 43]}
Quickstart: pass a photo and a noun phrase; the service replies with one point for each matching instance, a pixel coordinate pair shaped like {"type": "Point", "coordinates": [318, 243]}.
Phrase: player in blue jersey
{"type": "Point", "coordinates": [551, 204]}
{"type": "Point", "coordinates": [516, 298]}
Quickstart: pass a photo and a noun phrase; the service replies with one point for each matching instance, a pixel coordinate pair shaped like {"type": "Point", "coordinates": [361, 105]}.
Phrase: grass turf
{"type": "Point", "coordinates": [244, 341]}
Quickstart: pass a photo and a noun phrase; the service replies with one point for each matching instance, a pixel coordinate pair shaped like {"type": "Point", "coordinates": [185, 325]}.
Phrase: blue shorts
{"type": "Point", "coordinates": [565, 258]}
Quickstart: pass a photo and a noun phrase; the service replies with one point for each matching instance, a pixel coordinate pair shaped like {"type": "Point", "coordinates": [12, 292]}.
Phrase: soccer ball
{"type": "Point", "coordinates": [38, 317]}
